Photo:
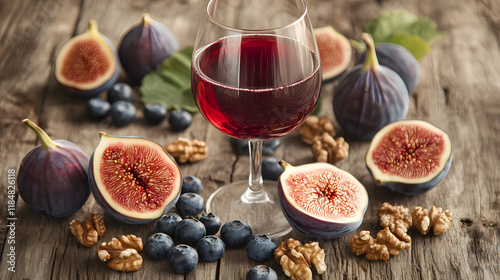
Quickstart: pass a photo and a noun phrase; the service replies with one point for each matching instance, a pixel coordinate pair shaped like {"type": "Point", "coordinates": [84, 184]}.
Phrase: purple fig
{"type": "Point", "coordinates": [369, 97]}
{"type": "Point", "coordinates": [144, 47]}
{"type": "Point", "coordinates": [321, 201]}
{"type": "Point", "coordinates": [409, 157]}
{"type": "Point", "coordinates": [87, 64]}
{"type": "Point", "coordinates": [399, 59]}
{"type": "Point", "coordinates": [133, 179]}
{"type": "Point", "coordinates": [52, 177]}
{"type": "Point", "coordinates": [334, 51]}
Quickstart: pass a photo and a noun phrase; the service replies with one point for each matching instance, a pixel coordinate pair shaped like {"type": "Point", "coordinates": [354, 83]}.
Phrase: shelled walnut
{"type": "Point", "coordinates": [365, 244]}
{"type": "Point", "coordinates": [387, 243]}
{"type": "Point", "coordinates": [314, 127]}
{"type": "Point", "coordinates": [436, 218]}
{"type": "Point", "coordinates": [296, 259]}
{"type": "Point", "coordinates": [187, 150]}
{"type": "Point", "coordinates": [122, 254]}
{"type": "Point", "coordinates": [389, 215]}
{"type": "Point", "coordinates": [90, 231]}
{"type": "Point", "coordinates": [328, 149]}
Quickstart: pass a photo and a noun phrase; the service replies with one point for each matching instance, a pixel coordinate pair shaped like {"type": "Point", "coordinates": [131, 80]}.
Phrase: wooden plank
{"type": "Point", "coordinates": [458, 92]}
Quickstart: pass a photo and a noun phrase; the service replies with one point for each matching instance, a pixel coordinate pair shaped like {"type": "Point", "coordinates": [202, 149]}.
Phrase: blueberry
{"type": "Point", "coordinates": [122, 113]}
{"type": "Point", "coordinates": [168, 223]}
{"type": "Point", "coordinates": [191, 184]}
{"type": "Point", "coordinates": [260, 247]}
{"type": "Point", "coordinates": [271, 169]}
{"type": "Point", "coordinates": [155, 113]}
{"type": "Point", "coordinates": [120, 91]}
{"type": "Point", "coordinates": [211, 222]}
{"type": "Point", "coordinates": [190, 231]}
{"type": "Point", "coordinates": [210, 248]}
{"type": "Point", "coordinates": [268, 146]}
{"type": "Point", "coordinates": [182, 258]}
{"type": "Point", "coordinates": [240, 146]}
{"type": "Point", "coordinates": [97, 108]}
{"type": "Point", "coordinates": [180, 119]}
{"type": "Point", "coordinates": [158, 245]}
{"type": "Point", "coordinates": [261, 272]}
{"type": "Point", "coordinates": [235, 233]}
{"type": "Point", "coordinates": [190, 204]}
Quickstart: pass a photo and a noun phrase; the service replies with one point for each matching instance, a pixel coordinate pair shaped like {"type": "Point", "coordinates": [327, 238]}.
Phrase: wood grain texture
{"type": "Point", "coordinates": [459, 91]}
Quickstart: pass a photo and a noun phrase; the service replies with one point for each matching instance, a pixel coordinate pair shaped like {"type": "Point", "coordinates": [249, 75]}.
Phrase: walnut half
{"type": "Point", "coordinates": [436, 218]}
{"type": "Point", "coordinates": [387, 243]}
{"type": "Point", "coordinates": [187, 150]}
{"type": "Point", "coordinates": [122, 254]}
{"type": "Point", "coordinates": [90, 231]}
{"type": "Point", "coordinates": [296, 259]}
{"type": "Point", "coordinates": [328, 149]}
{"type": "Point", "coordinates": [389, 215]}
{"type": "Point", "coordinates": [314, 127]}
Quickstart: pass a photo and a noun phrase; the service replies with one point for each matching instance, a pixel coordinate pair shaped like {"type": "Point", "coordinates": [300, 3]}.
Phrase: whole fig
{"type": "Point", "coordinates": [369, 97]}
{"type": "Point", "coordinates": [144, 47]}
{"type": "Point", "coordinates": [52, 177]}
{"type": "Point", "coordinates": [399, 59]}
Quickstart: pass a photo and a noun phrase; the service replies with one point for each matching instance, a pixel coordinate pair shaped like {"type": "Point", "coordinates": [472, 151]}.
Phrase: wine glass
{"type": "Point", "coordinates": [255, 76]}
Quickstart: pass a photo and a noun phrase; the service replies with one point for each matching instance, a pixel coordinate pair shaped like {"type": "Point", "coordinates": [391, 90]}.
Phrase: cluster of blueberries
{"type": "Point", "coordinates": [122, 112]}
{"type": "Point", "coordinates": [196, 237]}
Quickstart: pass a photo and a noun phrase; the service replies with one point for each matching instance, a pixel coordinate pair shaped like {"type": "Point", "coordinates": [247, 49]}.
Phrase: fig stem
{"type": "Point", "coordinates": [146, 19]}
{"type": "Point", "coordinates": [45, 140]}
{"type": "Point", "coordinates": [371, 61]}
{"type": "Point", "coordinates": [93, 26]}
{"type": "Point", "coordinates": [284, 164]}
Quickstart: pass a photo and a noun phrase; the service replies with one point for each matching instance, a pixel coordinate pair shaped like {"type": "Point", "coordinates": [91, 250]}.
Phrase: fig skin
{"type": "Point", "coordinates": [104, 81]}
{"type": "Point", "coordinates": [102, 196]}
{"type": "Point", "coordinates": [416, 189]}
{"type": "Point", "coordinates": [369, 97]}
{"type": "Point", "coordinates": [53, 177]}
{"type": "Point", "coordinates": [314, 225]}
{"type": "Point", "coordinates": [400, 60]}
{"type": "Point", "coordinates": [411, 186]}
{"type": "Point", "coordinates": [144, 47]}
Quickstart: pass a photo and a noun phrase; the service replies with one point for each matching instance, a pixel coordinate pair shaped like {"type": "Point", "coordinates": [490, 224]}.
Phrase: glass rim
{"type": "Point", "coordinates": [247, 30]}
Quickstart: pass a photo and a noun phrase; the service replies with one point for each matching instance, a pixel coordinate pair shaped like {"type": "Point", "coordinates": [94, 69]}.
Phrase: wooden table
{"type": "Point", "coordinates": [459, 91]}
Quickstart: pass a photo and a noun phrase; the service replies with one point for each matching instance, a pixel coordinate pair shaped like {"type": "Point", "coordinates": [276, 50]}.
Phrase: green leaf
{"type": "Point", "coordinates": [426, 29]}
{"type": "Point", "coordinates": [404, 28]}
{"type": "Point", "coordinates": [383, 27]}
{"type": "Point", "coordinates": [170, 85]}
{"type": "Point", "coordinates": [415, 44]}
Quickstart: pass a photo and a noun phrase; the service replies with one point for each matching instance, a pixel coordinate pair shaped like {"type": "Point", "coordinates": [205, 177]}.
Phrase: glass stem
{"type": "Point", "coordinates": [255, 192]}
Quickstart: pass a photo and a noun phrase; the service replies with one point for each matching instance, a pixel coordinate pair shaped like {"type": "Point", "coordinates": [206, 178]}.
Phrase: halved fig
{"type": "Point", "coordinates": [133, 179]}
{"type": "Point", "coordinates": [87, 64]}
{"type": "Point", "coordinates": [334, 51]}
{"type": "Point", "coordinates": [321, 201]}
{"type": "Point", "coordinates": [409, 157]}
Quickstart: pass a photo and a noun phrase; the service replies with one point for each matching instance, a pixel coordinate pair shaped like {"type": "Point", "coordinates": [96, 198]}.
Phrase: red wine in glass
{"type": "Point", "coordinates": [265, 94]}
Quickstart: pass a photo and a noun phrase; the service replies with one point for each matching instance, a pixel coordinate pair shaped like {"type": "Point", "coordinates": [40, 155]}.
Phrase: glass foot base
{"type": "Point", "coordinates": [261, 210]}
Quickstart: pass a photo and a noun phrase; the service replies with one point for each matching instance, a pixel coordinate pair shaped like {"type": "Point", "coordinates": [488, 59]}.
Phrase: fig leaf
{"type": "Point", "coordinates": [170, 85]}
{"type": "Point", "coordinates": [404, 28]}
{"type": "Point", "coordinates": [415, 44]}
